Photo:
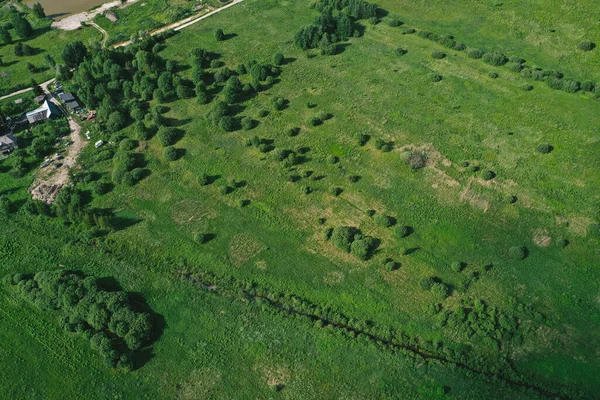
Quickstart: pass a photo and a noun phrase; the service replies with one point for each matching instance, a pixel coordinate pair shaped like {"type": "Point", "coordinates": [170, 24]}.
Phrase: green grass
{"type": "Point", "coordinates": [276, 239]}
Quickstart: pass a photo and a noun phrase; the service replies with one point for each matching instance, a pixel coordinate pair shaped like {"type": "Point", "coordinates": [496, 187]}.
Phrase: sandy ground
{"type": "Point", "coordinates": [74, 21]}
{"type": "Point", "coordinates": [50, 180]}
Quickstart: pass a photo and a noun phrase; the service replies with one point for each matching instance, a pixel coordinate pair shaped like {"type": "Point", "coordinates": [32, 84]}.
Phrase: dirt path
{"type": "Point", "coordinates": [184, 23]}
{"type": "Point", "coordinates": [50, 180]}
{"type": "Point", "coordinates": [102, 31]}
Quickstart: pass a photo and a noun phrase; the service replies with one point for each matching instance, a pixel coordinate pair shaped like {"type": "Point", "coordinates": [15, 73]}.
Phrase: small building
{"type": "Point", "coordinates": [41, 114]}
{"type": "Point", "coordinates": [66, 97]}
{"type": "Point", "coordinates": [8, 143]}
{"type": "Point", "coordinates": [73, 105]}
{"type": "Point", "coordinates": [40, 99]}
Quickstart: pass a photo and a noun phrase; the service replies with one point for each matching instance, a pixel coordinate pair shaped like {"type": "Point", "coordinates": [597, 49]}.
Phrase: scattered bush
{"type": "Point", "coordinates": [475, 53]}
{"type": "Point", "coordinates": [438, 55]}
{"type": "Point", "coordinates": [400, 51]}
{"type": "Point", "coordinates": [457, 266]}
{"type": "Point", "coordinates": [394, 22]}
{"type": "Point", "coordinates": [384, 220]}
{"type": "Point", "coordinates": [426, 282]}
{"type": "Point", "coordinates": [433, 77]}
{"type": "Point", "coordinates": [170, 153]}
{"type": "Point", "coordinates": [459, 46]}
{"type": "Point", "coordinates": [493, 75]}
{"type": "Point", "coordinates": [495, 58]}
{"type": "Point", "coordinates": [587, 46]}
{"type": "Point", "coordinates": [362, 139]}
{"type": "Point", "coordinates": [517, 252]}
{"type": "Point", "coordinates": [402, 231]}
{"type": "Point", "coordinates": [335, 191]}
{"type": "Point", "coordinates": [440, 290]}
{"type": "Point", "coordinates": [314, 121]}
{"type": "Point", "coordinates": [408, 31]}
{"type": "Point", "coordinates": [515, 67]}
{"type": "Point", "coordinates": [544, 148]}
{"type": "Point", "coordinates": [527, 88]}
{"type": "Point", "coordinates": [570, 85]}
{"type": "Point", "coordinates": [487, 175]}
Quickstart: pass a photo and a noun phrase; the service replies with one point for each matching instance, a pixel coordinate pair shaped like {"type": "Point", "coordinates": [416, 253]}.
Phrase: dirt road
{"type": "Point", "coordinates": [50, 180]}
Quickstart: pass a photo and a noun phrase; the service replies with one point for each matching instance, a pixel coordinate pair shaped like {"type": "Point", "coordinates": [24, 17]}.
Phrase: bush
{"type": "Point", "coordinates": [416, 160]}
{"type": "Point", "coordinates": [227, 123]}
{"type": "Point", "coordinates": [383, 220]}
{"type": "Point", "coordinates": [587, 46]}
{"type": "Point", "coordinates": [332, 160]}
{"type": "Point", "coordinates": [391, 266]}
{"type": "Point", "coordinates": [438, 55]}
{"type": "Point", "coordinates": [493, 75]}
{"type": "Point", "coordinates": [314, 121]}
{"type": "Point", "coordinates": [247, 123]}
{"type": "Point", "coordinates": [440, 290]}
{"type": "Point", "coordinates": [291, 132]}
{"type": "Point", "coordinates": [544, 148]}
{"type": "Point", "coordinates": [457, 266]}
{"type": "Point", "coordinates": [219, 35]}
{"type": "Point", "coordinates": [426, 282]}
{"type": "Point", "coordinates": [199, 238]}
{"type": "Point", "coordinates": [278, 103]}
{"type": "Point", "coordinates": [394, 22]}
{"type": "Point", "coordinates": [588, 86]}
{"type": "Point", "coordinates": [433, 77]}
{"type": "Point", "coordinates": [335, 191]}
{"type": "Point", "coordinates": [402, 231]}
{"type": "Point", "coordinates": [408, 31]}
{"type": "Point", "coordinates": [343, 236]}
{"type": "Point", "coordinates": [487, 175]}
{"type": "Point", "coordinates": [475, 53]}
{"type": "Point", "coordinates": [400, 51]}
{"type": "Point", "coordinates": [459, 46]}
{"type": "Point", "coordinates": [127, 144]}
{"type": "Point", "coordinates": [562, 243]}
{"type": "Point", "coordinates": [166, 136]}
{"type": "Point", "coordinates": [361, 248]}
{"type": "Point", "coordinates": [495, 58]}
{"type": "Point", "coordinates": [99, 188]}
{"type": "Point", "coordinates": [517, 252]}
{"type": "Point", "coordinates": [170, 153]}
{"type": "Point", "coordinates": [570, 85]}
{"type": "Point", "coordinates": [515, 67]}
{"type": "Point", "coordinates": [527, 88]}
{"type": "Point", "coordinates": [362, 139]}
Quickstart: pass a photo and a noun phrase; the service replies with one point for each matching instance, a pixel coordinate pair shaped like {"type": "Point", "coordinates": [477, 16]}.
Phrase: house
{"type": "Point", "coordinates": [69, 101]}
{"type": "Point", "coordinates": [46, 111]}
{"type": "Point", "coordinates": [8, 143]}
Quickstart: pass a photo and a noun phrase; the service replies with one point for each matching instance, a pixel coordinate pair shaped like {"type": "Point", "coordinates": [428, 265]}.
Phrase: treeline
{"type": "Point", "coordinates": [111, 320]}
{"type": "Point", "coordinates": [554, 79]}
{"type": "Point", "coordinates": [335, 23]}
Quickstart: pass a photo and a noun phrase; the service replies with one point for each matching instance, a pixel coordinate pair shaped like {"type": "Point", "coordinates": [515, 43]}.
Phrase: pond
{"type": "Point", "coordinates": [57, 9]}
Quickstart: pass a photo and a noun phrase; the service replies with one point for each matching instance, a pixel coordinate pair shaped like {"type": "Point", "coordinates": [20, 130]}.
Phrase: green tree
{"type": "Point", "coordinates": [166, 136]}
{"type": "Point", "coordinates": [21, 25]}
{"type": "Point", "coordinates": [219, 35]}
{"type": "Point", "coordinates": [38, 10]}
{"type": "Point", "coordinates": [74, 53]}
{"type": "Point", "coordinates": [5, 35]}
{"type": "Point", "coordinates": [278, 59]}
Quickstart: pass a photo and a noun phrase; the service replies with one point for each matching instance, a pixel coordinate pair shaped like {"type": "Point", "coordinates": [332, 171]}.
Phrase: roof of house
{"type": "Point", "coordinates": [44, 112]}
{"type": "Point", "coordinates": [8, 140]}
{"type": "Point", "coordinates": [66, 97]}
{"type": "Point", "coordinates": [40, 99]}
{"type": "Point", "coordinates": [73, 104]}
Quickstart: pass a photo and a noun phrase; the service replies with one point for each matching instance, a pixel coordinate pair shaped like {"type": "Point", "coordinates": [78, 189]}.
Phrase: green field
{"type": "Point", "coordinates": [266, 232]}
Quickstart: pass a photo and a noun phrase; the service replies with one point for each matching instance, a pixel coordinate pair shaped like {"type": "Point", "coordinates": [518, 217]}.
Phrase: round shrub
{"type": "Point", "coordinates": [473, 168]}
{"type": "Point", "coordinates": [588, 86]}
{"type": "Point", "coordinates": [440, 290]}
{"type": "Point", "coordinates": [402, 231]}
{"type": "Point", "coordinates": [465, 163]}
{"type": "Point", "coordinates": [324, 116]}
{"type": "Point", "coordinates": [426, 282]}
{"type": "Point", "coordinates": [314, 121]}
{"type": "Point", "coordinates": [587, 46]}
{"type": "Point", "coordinates": [383, 220]}
{"type": "Point", "coordinates": [291, 132]}
{"type": "Point", "coordinates": [227, 123]}
{"type": "Point", "coordinates": [369, 212]}
{"type": "Point", "coordinates": [400, 51]}
{"type": "Point", "coordinates": [493, 75]}
{"type": "Point", "coordinates": [456, 266]}
{"type": "Point", "coordinates": [562, 243]}
{"type": "Point", "coordinates": [326, 234]}
{"type": "Point", "coordinates": [391, 266]}
{"type": "Point", "coordinates": [408, 31]}
{"type": "Point", "coordinates": [166, 136]}
{"type": "Point", "coordinates": [332, 160]}
{"type": "Point", "coordinates": [527, 88]}
{"type": "Point", "coordinates": [517, 252]}
{"type": "Point", "coordinates": [18, 277]}
{"type": "Point", "coordinates": [247, 123]}
{"type": "Point", "coordinates": [199, 238]}
{"type": "Point", "coordinates": [511, 199]}
{"type": "Point", "coordinates": [459, 46]}
{"type": "Point", "coordinates": [394, 22]}
{"type": "Point", "coordinates": [433, 77]}
{"type": "Point", "coordinates": [342, 237]}
{"type": "Point", "coordinates": [361, 248]}
{"type": "Point", "coordinates": [515, 67]}
{"type": "Point", "coordinates": [127, 145]}
{"type": "Point", "coordinates": [170, 153]}
{"type": "Point", "coordinates": [487, 175]}
{"type": "Point", "coordinates": [335, 191]}
{"type": "Point", "coordinates": [278, 59]}
{"type": "Point", "coordinates": [305, 189]}
{"type": "Point", "coordinates": [570, 85]}
{"type": "Point", "coordinates": [495, 58]}
{"type": "Point", "coordinates": [544, 148]}
{"type": "Point", "coordinates": [278, 103]}
{"type": "Point", "coordinates": [438, 55]}
{"type": "Point", "coordinates": [475, 53]}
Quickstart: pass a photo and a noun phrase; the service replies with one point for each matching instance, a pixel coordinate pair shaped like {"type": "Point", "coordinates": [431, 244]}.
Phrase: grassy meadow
{"type": "Point", "coordinates": [267, 231]}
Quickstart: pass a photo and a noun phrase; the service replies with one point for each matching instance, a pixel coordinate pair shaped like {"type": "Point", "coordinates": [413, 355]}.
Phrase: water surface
{"type": "Point", "coordinates": [57, 9]}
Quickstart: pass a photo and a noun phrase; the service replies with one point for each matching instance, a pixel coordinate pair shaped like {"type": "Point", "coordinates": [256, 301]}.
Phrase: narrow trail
{"type": "Point", "coordinates": [387, 343]}
{"type": "Point", "coordinates": [102, 31]}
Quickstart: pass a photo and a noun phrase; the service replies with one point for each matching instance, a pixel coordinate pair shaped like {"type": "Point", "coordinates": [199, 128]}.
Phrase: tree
{"type": "Point", "coordinates": [5, 35]}
{"type": "Point", "coordinates": [227, 123]}
{"type": "Point", "coordinates": [219, 35]}
{"type": "Point", "coordinates": [62, 72]}
{"type": "Point", "coordinates": [21, 25]}
{"type": "Point", "coordinates": [116, 121]}
{"type": "Point", "coordinates": [278, 59]}
{"type": "Point", "coordinates": [166, 136]}
{"type": "Point", "coordinates": [74, 53]}
{"type": "Point", "coordinates": [38, 10]}
{"type": "Point", "coordinates": [170, 153]}
{"type": "Point", "coordinates": [184, 92]}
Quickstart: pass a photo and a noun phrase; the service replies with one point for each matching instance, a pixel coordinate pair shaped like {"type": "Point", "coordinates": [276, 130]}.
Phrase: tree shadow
{"type": "Point", "coordinates": [412, 250]}
{"type": "Point", "coordinates": [229, 36]}
{"type": "Point", "coordinates": [288, 60]}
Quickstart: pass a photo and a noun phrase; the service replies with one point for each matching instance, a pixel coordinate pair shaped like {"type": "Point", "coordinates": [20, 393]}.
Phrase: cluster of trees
{"type": "Point", "coordinates": [109, 319]}
{"type": "Point", "coordinates": [351, 240]}
{"type": "Point", "coordinates": [336, 23]}
{"type": "Point", "coordinates": [126, 168]}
